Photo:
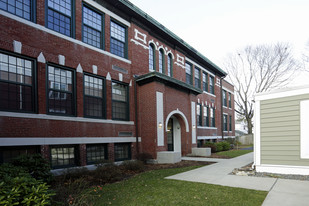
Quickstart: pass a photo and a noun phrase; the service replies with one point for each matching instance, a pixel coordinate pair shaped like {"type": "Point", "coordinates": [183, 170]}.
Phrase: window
{"type": "Point", "coordinates": [93, 96]}
{"type": "Point", "coordinates": [60, 16]}
{"type": "Point", "coordinates": [120, 101]}
{"type": "Point", "coordinates": [118, 39]}
{"type": "Point", "coordinates": [224, 98]}
{"type": "Point", "coordinates": [199, 114]}
{"type": "Point", "coordinates": [151, 57]}
{"type": "Point", "coordinates": [230, 100]}
{"type": "Point", "coordinates": [211, 85]}
{"type": "Point", "coordinates": [22, 8]}
{"type": "Point", "coordinates": [9, 153]}
{"type": "Point", "coordinates": [206, 117]}
{"type": "Point", "coordinates": [188, 73]}
{"type": "Point", "coordinates": [161, 61]}
{"type": "Point", "coordinates": [17, 83]}
{"type": "Point", "coordinates": [96, 153]}
{"type": "Point", "coordinates": [197, 75]}
{"type": "Point", "coordinates": [205, 83]}
{"type": "Point", "coordinates": [60, 91]}
{"type": "Point", "coordinates": [92, 27]}
{"type": "Point", "coordinates": [122, 151]}
{"type": "Point", "coordinates": [169, 65]}
{"type": "Point", "coordinates": [224, 122]}
{"type": "Point", "coordinates": [63, 156]}
{"type": "Point", "coordinates": [230, 123]}
{"type": "Point", "coordinates": [212, 117]}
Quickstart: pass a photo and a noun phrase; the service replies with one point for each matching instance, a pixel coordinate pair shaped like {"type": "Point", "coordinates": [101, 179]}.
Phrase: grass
{"type": "Point", "coordinates": [233, 153]}
{"type": "Point", "coordinates": [150, 188]}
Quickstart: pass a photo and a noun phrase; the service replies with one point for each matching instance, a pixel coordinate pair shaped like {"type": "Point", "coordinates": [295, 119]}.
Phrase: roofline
{"type": "Point", "coordinates": [155, 23]}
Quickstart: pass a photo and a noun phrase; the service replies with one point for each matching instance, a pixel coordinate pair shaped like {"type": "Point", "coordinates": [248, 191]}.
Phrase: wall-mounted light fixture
{"type": "Point", "coordinates": [193, 126]}
{"type": "Point", "coordinates": [160, 125]}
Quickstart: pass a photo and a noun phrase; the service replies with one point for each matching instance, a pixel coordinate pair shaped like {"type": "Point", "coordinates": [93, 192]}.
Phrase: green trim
{"type": "Point", "coordinates": [163, 29]}
{"type": "Point", "coordinates": [157, 76]}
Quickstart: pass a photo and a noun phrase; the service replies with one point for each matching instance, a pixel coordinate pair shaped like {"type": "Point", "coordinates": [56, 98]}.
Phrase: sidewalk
{"type": "Point", "coordinates": [281, 191]}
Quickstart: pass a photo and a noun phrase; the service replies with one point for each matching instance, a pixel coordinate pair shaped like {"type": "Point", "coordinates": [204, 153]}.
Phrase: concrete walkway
{"type": "Point", "coordinates": [281, 191]}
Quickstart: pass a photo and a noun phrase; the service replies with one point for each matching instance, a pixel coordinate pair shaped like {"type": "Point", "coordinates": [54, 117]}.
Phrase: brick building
{"type": "Point", "coordinates": [82, 81]}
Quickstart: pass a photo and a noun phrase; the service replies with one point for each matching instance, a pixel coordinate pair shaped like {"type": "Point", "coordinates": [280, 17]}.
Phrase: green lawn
{"type": "Point", "coordinates": [233, 153]}
{"type": "Point", "coordinates": [150, 188]}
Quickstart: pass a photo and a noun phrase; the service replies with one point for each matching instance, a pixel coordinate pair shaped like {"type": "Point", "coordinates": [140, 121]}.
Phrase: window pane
{"type": "Point", "coordinates": [161, 61]}
{"type": "Point", "coordinates": [188, 73]}
{"type": "Point", "coordinates": [96, 153]}
{"type": "Point", "coordinates": [93, 88]}
{"type": "Point", "coordinates": [122, 151]}
{"type": "Point", "coordinates": [19, 8]}
{"type": "Point", "coordinates": [151, 58]}
{"type": "Point", "coordinates": [92, 27]}
{"type": "Point", "coordinates": [118, 39]}
{"type": "Point", "coordinates": [62, 156]}
{"type": "Point", "coordinates": [120, 106]}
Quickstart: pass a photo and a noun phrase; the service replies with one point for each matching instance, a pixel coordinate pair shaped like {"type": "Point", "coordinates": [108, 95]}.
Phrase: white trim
{"type": "Point", "coordinates": [202, 127]}
{"type": "Point", "coordinates": [160, 120]}
{"type": "Point", "coordinates": [196, 64]}
{"type": "Point", "coordinates": [210, 94]}
{"type": "Point", "coordinates": [17, 46]}
{"type": "Point", "coordinates": [283, 169]}
{"type": "Point", "coordinates": [104, 10]}
{"type": "Point", "coordinates": [304, 136]}
{"type": "Point", "coordinates": [283, 93]}
{"type": "Point", "coordinates": [63, 118]}
{"type": "Point", "coordinates": [226, 89]}
{"type": "Point", "coordinates": [257, 133]}
{"type": "Point", "coordinates": [193, 121]}
{"type": "Point", "coordinates": [42, 28]}
{"type": "Point", "coordinates": [181, 114]}
{"type": "Point", "coordinates": [23, 141]}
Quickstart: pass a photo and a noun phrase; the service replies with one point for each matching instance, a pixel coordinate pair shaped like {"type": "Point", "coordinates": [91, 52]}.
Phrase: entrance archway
{"type": "Point", "coordinates": [173, 135]}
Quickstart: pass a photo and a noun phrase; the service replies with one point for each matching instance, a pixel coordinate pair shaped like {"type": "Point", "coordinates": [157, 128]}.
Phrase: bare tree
{"type": "Point", "coordinates": [258, 69]}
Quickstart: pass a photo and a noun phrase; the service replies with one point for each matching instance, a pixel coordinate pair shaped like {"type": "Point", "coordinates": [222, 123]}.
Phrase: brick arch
{"type": "Point", "coordinates": [183, 117]}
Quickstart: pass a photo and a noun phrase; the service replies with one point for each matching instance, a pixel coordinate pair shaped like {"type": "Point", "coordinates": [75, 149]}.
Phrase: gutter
{"type": "Point", "coordinates": [136, 115]}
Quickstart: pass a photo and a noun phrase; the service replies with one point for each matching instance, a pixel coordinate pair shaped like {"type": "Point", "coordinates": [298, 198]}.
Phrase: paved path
{"type": "Point", "coordinates": [281, 191]}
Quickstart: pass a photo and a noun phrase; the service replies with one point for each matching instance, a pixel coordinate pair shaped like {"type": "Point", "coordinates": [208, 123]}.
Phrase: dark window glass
{"type": "Point", "coordinates": [16, 83]}
{"type": "Point", "coordinates": [63, 156]}
{"type": "Point", "coordinates": [224, 122]}
{"type": "Point", "coordinates": [199, 114]}
{"type": "Point", "coordinates": [120, 108]}
{"type": "Point", "coordinates": [188, 73]}
{"type": "Point", "coordinates": [122, 151]}
{"type": "Point", "coordinates": [230, 101]}
{"type": "Point", "coordinates": [60, 91]}
{"type": "Point", "coordinates": [230, 123]}
{"type": "Point", "coordinates": [212, 117]}
{"type": "Point", "coordinates": [205, 83]}
{"type": "Point", "coordinates": [151, 58]}
{"type": "Point", "coordinates": [96, 153]}
{"type": "Point", "coordinates": [169, 65]}
{"type": "Point", "coordinates": [118, 39]}
{"type": "Point", "coordinates": [197, 73]}
{"type": "Point", "coordinates": [92, 30]}
{"type": "Point", "coordinates": [211, 85]}
{"type": "Point", "coordinates": [21, 8]}
{"type": "Point", "coordinates": [206, 116]}
{"type": "Point", "coordinates": [224, 98]}
{"type": "Point", "coordinates": [9, 153]}
{"type": "Point", "coordinates": [59, 16]}
{"type": "Point", "coordinates": [161, 61]}
{"type": "Point", "coordinates": [94, 99]}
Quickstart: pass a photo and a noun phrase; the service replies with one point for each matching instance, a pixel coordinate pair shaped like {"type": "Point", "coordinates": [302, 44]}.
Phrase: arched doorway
{"type": "Point", "coordinates": [173, 135]}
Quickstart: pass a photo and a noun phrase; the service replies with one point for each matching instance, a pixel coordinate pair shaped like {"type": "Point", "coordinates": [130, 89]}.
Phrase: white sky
{"type": "Point", "coordinates": [218, 27]}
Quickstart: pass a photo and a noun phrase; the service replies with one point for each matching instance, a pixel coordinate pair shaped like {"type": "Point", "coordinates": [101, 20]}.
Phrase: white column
{"type": "Point", "coordinates": [193, 122]}
{"type": "Point", "coordinates": [160, 122]}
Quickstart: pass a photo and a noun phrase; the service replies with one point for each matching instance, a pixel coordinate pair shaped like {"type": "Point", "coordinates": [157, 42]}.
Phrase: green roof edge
{"type": "Point", "coordinates": [169, 32]}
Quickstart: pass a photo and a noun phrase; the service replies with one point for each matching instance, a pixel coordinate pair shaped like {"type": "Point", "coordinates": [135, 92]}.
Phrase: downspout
{"type": "Point", "coordinates": [136, 115]}
{"type": "Point", "coordinates": [221, 108]}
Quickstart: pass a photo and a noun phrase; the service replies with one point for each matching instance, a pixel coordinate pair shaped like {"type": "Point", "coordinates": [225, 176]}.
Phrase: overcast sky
{"type": "Point", "coordinates": [219, 27]}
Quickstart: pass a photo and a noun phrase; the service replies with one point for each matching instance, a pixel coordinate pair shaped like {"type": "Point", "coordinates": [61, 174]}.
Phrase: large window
{"type": "Point", "coordinates": [9, 153]}
{"type": "Point", "coordinates": [206, 116]}
{"type": "Point", "coordinates": [205, 83]}
{"type": "Point", "coordinates": [224, 122]}
{"type": "Point", "coordinates": [63, 156]}
{"type": "Point", "coordinates": [118, 39]}
{"type": "Point", "coordinates": [92, 27]}
{"type": "Point", "coordinates": [211, 85]}
{"type": "Point", "coordinates": [151, 57]}
{"type": "Point", "coordinates": [60, 91]}
{"type": "Point", "coordinates": [21, 8]}
{"type": "Point", "coordinates": [230, 100]}
{"type": "Point", "coordinates": [161, 61]}
{"type": "Point", "coordinates": [94, 98]}
{"type": "Point", "coordinates": [197, 77]}
{"type": "Point", "coordinates": [122, 151]}
{"type": "Point", "coordinates": [212, 117]}
{"type": "Point", "coordinates": [199, 114]}
{"type": "Point", "coordinates": [224, 98]}
{"type": "Point", "coordinates": [230, 123]}
{"type": "Point", "coordinates": [169, 65]}
{"type": "Point", "coordinates": [120, 101]}
{"type": "Point", "coordinates": [188, 73]}
{"type": "Point", "coordinates": [96, 153]}
{"type": "Point", "coordinates": [60, 16]}
{"type": "Point", "coordinates": [17, 90]}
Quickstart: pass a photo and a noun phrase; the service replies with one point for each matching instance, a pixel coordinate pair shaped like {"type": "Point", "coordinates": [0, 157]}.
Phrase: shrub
{"type": "Point", "coordinates": [35, 165]}
{"type": "Point", "coordinates": [107, 174]}
{"type": "Point", "coordinates": [219, 146]}
{"type": "Point", "coordinates": [75, 173]}
{"type": "Point", "coordinates": [226, 146]}
{"type": "Point", "coordinates": [137, 165]}
{"type": "Point", "coordinates": [144, 157]}
{"type": "Point", "coordinates": [212, 145]}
